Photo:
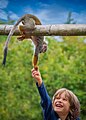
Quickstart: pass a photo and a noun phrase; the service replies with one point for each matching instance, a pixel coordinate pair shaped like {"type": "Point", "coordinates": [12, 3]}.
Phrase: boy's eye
{"type": "Point", "coordinates": [57, 98]}
{"type": "Point", "coordinates": [64, 99]}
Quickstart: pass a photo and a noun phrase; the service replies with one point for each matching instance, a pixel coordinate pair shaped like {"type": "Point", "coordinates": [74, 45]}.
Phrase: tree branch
{"type": "Point", "coordinates": [48, 30]}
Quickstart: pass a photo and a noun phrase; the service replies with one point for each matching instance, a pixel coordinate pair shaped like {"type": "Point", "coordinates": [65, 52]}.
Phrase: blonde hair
{"type": "Point", "coordinates": [74, 103]}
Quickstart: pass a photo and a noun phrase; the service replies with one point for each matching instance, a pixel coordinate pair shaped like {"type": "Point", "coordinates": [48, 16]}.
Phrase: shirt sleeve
{"type": "Point", "coordinates": [46, 102]}
{"type": "Point", "coordinates": [78, 119]}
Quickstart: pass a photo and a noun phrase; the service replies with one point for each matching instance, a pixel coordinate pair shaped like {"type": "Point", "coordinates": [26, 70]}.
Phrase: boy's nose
{"type": "Point", "coordinates": [60, 100]}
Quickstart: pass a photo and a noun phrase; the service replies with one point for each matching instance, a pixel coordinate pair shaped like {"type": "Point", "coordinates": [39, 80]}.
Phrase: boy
{"type": "Point", "coordinates": [64, 105]}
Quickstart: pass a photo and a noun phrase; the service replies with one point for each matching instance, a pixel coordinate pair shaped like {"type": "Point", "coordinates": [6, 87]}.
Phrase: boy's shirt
{"type": "Point", "coordinates": [46, 103]}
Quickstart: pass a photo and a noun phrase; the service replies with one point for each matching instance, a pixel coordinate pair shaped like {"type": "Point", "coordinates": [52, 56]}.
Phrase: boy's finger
{"type": "Point", "coordinates": [35, 69]}
{"type": "Point", "coordinates": [32, 70]}
{"type": "Point", "coordinates": [35, 73]}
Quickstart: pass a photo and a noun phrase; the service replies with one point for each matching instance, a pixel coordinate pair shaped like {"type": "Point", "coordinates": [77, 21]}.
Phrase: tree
{"type": "Point", "coordinates": [63, 65]}
{"type": "Point", "coordinates": [70, 20]}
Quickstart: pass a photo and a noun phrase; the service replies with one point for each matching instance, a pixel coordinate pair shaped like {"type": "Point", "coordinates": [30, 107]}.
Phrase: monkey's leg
{"type": "Point", "coordinates": [23, 34]}
{"type": "Point", "coordinates": [20, 38]}
{"type": "Point", "coordinates": [35, 57]}
{"type": "Point", "coordinates": [21, 28]}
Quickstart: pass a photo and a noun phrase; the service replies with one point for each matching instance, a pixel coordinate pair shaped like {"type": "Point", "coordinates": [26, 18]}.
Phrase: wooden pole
{"type": "Point", "coordinates": [48, 30]}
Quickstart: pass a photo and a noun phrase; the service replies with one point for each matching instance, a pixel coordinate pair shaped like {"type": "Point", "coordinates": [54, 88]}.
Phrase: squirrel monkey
{"type": "Point", "coordinates": [40, 45]}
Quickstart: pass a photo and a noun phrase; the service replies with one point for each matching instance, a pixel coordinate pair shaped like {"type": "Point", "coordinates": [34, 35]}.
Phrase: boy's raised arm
{"type": "Point", "coordinates": [41, 88]}
{"type": "Point", "coordinates": [45, 99]}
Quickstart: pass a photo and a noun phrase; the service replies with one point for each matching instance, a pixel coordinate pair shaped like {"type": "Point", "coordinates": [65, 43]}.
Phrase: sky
{"type": "Point", "coordinates": [48, 11]}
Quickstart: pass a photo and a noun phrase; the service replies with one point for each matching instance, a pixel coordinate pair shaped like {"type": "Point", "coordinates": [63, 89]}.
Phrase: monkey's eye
{"type": "Point", "coordinates": [23, 22]}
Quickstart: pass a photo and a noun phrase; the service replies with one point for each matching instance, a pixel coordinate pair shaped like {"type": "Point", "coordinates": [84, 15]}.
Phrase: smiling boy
{"type": "Point", "coordinates": [63, 106]}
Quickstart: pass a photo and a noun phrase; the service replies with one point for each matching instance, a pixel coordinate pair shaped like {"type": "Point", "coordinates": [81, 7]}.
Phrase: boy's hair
{"type": "Point", "coordinates": [73, 100]}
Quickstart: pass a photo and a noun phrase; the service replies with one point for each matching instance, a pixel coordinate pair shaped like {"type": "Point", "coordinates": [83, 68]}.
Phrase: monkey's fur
{"type": "Point", "coordinates": [40, 45]}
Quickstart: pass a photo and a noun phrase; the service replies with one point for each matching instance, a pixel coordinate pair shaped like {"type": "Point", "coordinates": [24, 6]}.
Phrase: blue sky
{"type": "Point", "coordinates": [48, 11]}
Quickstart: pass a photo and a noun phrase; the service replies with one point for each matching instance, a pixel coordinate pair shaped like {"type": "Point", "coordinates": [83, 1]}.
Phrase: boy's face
{"type": "Point", "coordinates": [61, 104]}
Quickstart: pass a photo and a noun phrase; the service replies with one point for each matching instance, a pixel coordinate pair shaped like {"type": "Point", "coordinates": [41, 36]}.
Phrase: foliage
{"type": "Point", "coordinates": [70, 20]}
{"type": "Point", "coordinates": [9, 21]}
{"type": "Point", "coordinates": [63, 65]}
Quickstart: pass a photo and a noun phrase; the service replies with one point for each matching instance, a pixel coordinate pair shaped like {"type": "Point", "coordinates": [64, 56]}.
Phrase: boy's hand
{"type": "Point", "coordinates": [36, 74]}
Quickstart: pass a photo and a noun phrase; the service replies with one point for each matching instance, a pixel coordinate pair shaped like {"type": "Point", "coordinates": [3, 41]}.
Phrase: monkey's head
{"type": "Point", "coordinates": [44, 47]}
{"type": "Point", "coordinates": [29, 22]}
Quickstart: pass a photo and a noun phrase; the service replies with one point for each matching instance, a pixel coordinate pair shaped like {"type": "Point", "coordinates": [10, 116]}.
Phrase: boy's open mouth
{"type": "Point", "coordinates": [58, 105]}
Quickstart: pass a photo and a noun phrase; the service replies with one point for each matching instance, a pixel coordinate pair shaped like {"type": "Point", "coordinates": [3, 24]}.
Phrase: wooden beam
{"type": "Point", "coordinates": [49, 30]}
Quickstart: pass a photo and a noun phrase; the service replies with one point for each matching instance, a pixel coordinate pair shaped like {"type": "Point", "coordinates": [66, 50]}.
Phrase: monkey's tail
{"type": "Point", "coordinates": [5, 55]}
{"type": "Point", "coordinates": [34, 62]}
{"type": "Point", "coordinates": [6, 45]}
{"type": "Point", "coordinates": [8, 40]}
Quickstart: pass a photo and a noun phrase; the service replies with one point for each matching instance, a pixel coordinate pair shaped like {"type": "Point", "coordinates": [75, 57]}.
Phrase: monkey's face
{"type": "Point", "coordinates": [44, 48]}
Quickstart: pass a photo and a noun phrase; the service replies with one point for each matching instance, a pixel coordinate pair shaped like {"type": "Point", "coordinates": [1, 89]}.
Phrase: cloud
{"type": "Point", "coordinates": [80, 18]}
{"type": "Point", "coordinates": [28, 10]}
{"type": "Point", "coordinates": [54, 13]}
{"type": "Point", "coordinates": [50, 16]}
{"type": "Point", "coordinates": [3, 3]}
{"type": "Point", "coordinates": [3, 14]}
{"type": "Point", "coordinates": [42, 14]}
{"type": "Point", "coordinates": [47, 13]}
{"type": "Point", "coordinates": [42, 4]}
{"type": "Point", "coordinates": [13, 15]}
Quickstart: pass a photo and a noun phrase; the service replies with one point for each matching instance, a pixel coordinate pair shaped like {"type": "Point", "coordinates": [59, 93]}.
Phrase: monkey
{"type": "Point", "coordinates": [39, 42]}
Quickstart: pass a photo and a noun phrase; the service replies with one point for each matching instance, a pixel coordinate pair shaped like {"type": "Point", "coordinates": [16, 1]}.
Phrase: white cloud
{"type": "Point", "coordinates": [3, 3]}
{"type": "Point", "coordinates": [80, 18]}
{"type": "Point", "coordinates": [49, 14]}
{"type": "Point", "coordinates": [13, 15]}
{"type": "Point", "coordinates": [55, 14]}
{"type": "Point", "coordinates": [28, 10]}
{"type": "Point", "coordinates": [3, 14]}
{"type": "Point", "coordinates": [42, 14]}
{"type": "Point", "coordinates": [43, 4]}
